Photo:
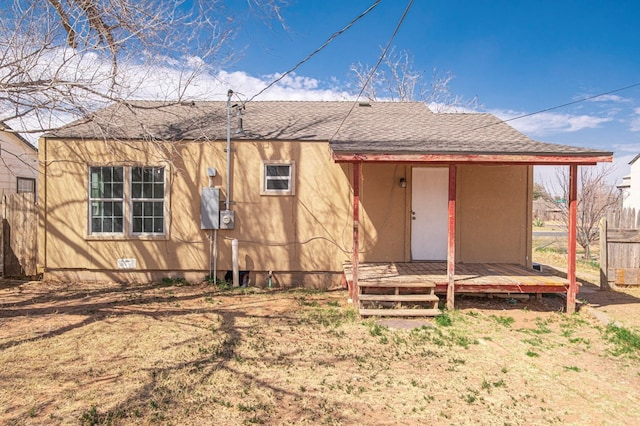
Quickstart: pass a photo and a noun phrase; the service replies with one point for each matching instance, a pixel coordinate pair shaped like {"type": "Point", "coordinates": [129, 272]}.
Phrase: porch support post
{"type": "Point", "coordinates": [451, 238]}
{"type": "Point", "coordinates": [571, 241]}
{"type": "Point", "coordinates": [354, 291]}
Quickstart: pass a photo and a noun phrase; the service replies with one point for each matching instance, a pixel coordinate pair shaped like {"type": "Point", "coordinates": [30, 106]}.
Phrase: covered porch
{"type": "Point", "coordinates": [475, 212]}
{"type": "Point", "coordinates": [450, 276]}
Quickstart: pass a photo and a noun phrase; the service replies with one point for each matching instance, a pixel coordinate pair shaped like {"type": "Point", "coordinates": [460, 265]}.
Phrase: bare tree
{"type": "Point", "coordinates": [595, 197]}
{"type": "Point", "coordinates": [397, 79]}
{"type": "Point", "coordinates": [539, 191]}
{"type": "Point", "coordinates": [61, 59]}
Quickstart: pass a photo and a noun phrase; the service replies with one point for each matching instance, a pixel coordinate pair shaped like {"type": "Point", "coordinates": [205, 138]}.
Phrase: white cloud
{"type": "Point", "coordinates": [168, 83]}
{"type": "Point", "coordinates": [163, 78]}
{"type": "Point", "coordinates": [444, 108]}
{"type": "Point", "coordinates": [548, 122]}
{"type": "Point", "coordinates": [294, 81]}
{"type": "Point", "coordinates": [195, 62]}
{"type": "Point", "coordinates": [609, 98]}
{"type": "Point", "coordinates": [634, 123]}
{"type": "Point", "coordinates": [291, 87]}
{"type": "Point", "coordinates": [627, 147]}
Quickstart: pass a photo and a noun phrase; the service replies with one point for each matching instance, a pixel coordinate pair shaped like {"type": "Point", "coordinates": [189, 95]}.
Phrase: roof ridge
{"type": "Point", "coordinates": [345, 101]}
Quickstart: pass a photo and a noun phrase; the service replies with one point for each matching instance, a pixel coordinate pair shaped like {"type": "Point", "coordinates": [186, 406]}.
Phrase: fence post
{"type": "Point", "coordinates": [604, 256]}
{"type": "Point", "coordinates": [3, 217]}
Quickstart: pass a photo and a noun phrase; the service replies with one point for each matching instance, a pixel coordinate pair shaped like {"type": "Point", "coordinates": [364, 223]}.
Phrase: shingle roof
{"type": "Point", "coordinates": [380, 127]}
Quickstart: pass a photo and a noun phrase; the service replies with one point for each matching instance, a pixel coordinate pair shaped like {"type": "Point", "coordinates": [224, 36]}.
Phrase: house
{"type": "Point", "coordinates": [18, 175]}
{"type": "Point", "coordinates": [18, 163]}
{"type": "Point", "coordinates": [545, 210]}
{"type": "Point", "coordinates": [292, 190]}
{"type": "Point", "coordinates": [630, 186]}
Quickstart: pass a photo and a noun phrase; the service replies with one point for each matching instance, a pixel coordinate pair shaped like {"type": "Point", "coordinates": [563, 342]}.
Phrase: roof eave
{"type": "Point", "coordinates": [6, 128]}
{"type": "Point", "coordinates": [475, 158]}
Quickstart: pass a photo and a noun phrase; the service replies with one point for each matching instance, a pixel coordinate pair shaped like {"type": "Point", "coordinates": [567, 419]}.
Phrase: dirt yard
{"type": "Point", "coordinates": [175, 354]}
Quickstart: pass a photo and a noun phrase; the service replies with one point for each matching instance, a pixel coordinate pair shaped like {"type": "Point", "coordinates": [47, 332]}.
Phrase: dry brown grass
{"type": "Point", "coordinates": [89, 354]}
{"type": "Point", "coordinates": [552, 251]}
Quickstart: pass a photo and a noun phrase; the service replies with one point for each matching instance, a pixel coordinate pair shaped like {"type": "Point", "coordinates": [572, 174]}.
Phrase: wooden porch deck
{"type": "Point", "coordinates": [469, 277]}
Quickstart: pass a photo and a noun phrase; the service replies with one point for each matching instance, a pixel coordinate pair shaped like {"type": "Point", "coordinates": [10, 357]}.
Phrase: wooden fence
{"type": "Point", "coordinates": [620, 249]}
{"type": "Point", "coordinates": [19, 232]}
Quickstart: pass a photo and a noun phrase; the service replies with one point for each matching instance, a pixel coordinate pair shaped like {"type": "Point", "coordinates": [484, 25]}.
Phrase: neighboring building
{"type": "Point", "coordinates": [630, 186]}
{"type": "Point", "coordinates": [546, 210]}
{"type": "Point", "coordinates": [305, 179]}
{"type": "Point", "coordinates": [18, 163]}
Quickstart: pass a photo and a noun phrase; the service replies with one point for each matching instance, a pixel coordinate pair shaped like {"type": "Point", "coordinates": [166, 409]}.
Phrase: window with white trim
{"type": "Point", "coordinates": [127, 200]}
{"type": "Point", "coordinates": [147, 200]}
{"type": "Point", "coordinates": [106, 200]}
{"type": "Point", "coordinates": [278, 178]}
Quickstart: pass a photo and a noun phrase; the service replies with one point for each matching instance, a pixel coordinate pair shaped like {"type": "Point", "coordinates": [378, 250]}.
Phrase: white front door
{"type": "Point", "coordinates": [429, 205]}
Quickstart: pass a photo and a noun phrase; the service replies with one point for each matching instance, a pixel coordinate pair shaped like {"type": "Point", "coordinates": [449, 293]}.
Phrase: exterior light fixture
{"type": "Point", "coordinates": [403, 183]}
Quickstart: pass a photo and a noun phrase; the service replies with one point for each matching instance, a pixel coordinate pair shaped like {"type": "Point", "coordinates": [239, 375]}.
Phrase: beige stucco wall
{"type": "Point", "coordinates": [386, 207]}
{"type": "Point", "coordinates": [493, 214]}
{"type": "Point", "coordinates": [308, 231]}
{"type": "Point", "coordinates": [303, 238]}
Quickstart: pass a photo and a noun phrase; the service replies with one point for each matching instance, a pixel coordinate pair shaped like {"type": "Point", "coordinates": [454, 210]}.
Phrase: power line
{"type": "Point", "coordinates": [558, 106]}
{"type": "Point", "coordinates": [375, 68]}
{"type": "Point", "coordinates": [325, 44]}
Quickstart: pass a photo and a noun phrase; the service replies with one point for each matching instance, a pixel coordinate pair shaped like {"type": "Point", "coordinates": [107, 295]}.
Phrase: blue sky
{"type": "Point", "coordinates": [517, 57]}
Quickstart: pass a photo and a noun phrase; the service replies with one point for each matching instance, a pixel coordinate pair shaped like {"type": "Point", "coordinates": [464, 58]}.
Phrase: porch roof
{"type": "Point", "coordinates": [450, 138]}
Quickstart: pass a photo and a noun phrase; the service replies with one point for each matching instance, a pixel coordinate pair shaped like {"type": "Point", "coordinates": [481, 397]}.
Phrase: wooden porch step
{"type": "Point", "coordinates": [393, 284]}
{"type": "Point", "coordinates": [399, 297]}
{"type": "Point", "coordinates": [400, 312]}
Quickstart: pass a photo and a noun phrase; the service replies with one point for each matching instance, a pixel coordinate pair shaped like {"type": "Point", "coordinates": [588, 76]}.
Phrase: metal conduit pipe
{"type": "Point", "coordinates": [228, 197]}
{"type": "Point", "coordinates": [234, 260]}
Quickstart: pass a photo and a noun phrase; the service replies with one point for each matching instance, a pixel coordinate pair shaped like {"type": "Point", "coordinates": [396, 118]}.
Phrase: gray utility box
{"type": "Point", "coordinates": [210, 208]}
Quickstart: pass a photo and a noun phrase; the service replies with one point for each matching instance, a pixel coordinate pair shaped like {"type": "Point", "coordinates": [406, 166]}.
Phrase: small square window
{"type": "Point", "coordinates": [278, 178]}
{"type": "Point", "coordinates": [26, 185]}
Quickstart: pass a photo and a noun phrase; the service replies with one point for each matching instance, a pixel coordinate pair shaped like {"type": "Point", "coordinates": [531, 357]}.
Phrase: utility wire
{"type": "Point", "coordinates": [375, 68]}
{"type": "Point", "coordinates": [325, 44]}
{"type": "Point", "coordinates": [588, 98]}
